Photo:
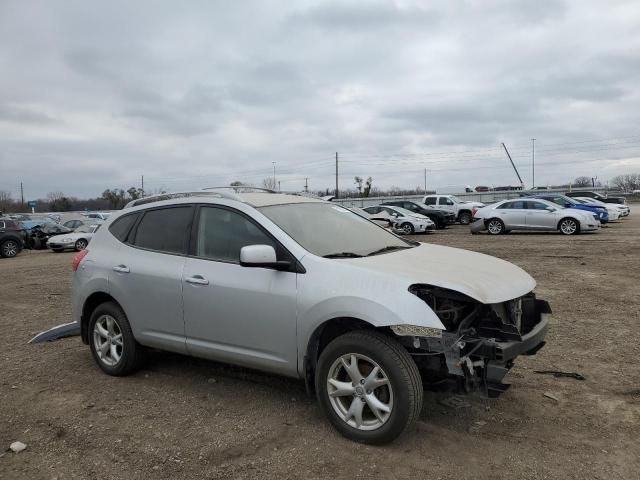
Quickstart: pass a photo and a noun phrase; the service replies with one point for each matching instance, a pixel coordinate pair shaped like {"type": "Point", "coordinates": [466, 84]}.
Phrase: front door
{"type": "Point", "coordinates": [538, 217]}
{"type": "Point", "coordinates": [513, 214]}
{"type": "Point", "coordinates": [235, 314]}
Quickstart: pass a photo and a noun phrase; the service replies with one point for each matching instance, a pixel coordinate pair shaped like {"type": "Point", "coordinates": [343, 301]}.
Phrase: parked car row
{"type": "Point", "coordinates": [546, 212]}
{"type": "Point", "coordinates": [36, 232]}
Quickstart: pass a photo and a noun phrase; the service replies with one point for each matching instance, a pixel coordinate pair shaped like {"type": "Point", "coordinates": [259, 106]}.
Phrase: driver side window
{"type": "Point", "coordinates": [222, 233]}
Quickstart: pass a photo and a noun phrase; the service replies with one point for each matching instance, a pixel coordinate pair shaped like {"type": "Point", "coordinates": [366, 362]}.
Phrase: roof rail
{"type": "Point", "coordinates": [169, 196]}
{"type": "Point", "coordinates": [243, 188]}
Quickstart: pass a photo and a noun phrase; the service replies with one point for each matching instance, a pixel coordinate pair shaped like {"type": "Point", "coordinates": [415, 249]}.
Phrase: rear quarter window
{"type": "Point", "coordinates": [122, 226]}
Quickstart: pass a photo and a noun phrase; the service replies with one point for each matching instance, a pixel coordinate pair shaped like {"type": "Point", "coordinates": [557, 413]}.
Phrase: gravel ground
{"type": "Point", "coordinates": [187, 418]}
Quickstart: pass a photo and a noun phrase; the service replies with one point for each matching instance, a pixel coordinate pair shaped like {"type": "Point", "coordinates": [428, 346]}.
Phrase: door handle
{"type": "Point", "coordinates": [197, 280]}
{"type": "Point", "coordinates": [121, 269]}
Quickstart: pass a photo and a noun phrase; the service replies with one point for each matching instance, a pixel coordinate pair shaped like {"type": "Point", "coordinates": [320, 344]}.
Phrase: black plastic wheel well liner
{"type": "Point", "coordinates": [321, 337]}
{"type": "Point", "coordinates": [90, 304]}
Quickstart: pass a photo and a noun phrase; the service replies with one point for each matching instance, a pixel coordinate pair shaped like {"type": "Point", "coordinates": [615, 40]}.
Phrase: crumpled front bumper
{"type": "Point", "coordinates": [477, 225]}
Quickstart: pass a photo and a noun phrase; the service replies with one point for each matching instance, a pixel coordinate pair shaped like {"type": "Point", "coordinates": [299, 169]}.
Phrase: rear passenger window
{"type": "Point", "coordinates": [430, 201]}
{"type": "Point", "coordinates": [121, 227]}
{"type": "Point", "coordinates": [164, 230]}
{"type": "Point", "coordinates": [222, 233]}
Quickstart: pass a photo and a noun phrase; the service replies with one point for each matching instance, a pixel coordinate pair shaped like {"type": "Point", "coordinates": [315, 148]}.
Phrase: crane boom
{"type": "Point", "coordinates": [513, 165]}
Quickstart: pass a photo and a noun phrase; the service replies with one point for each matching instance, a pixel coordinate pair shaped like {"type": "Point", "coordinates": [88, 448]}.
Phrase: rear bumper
{"type": "Point", "coordinates": [477, 225]}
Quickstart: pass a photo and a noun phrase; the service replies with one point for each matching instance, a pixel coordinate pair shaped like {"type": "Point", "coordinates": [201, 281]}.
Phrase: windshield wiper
{"type": "Point", "coordinates": [342, 255]}
{"type": "Point", "coordinates": [390, 248]}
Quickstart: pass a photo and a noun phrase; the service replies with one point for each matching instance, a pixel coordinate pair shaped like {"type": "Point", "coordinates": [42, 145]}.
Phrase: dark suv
{"type": "Point", "coordinates": [11, 238]}
{"type": "Point", "coordinates": [597, 196]}
{"type": "Point", "coordinates": [440, 217]}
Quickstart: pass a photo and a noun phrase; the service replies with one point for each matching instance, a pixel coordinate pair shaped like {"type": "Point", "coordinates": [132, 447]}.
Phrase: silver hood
{"type": "Point", "coordinates": [482, 277]}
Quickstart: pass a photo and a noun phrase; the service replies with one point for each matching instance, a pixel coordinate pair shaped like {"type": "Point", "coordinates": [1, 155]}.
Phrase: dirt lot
{"type": "Point", "coordinates": [186, 418]}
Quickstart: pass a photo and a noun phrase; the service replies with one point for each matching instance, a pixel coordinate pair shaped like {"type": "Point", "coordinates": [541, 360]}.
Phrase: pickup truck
{"type": "Point", "coordinates": [450, 203]}
{"type": "Point", "coordinates": [597, 196]}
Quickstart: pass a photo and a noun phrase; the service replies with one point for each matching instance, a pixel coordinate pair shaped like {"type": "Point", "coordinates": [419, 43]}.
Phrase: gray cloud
{"type": "Point", "coordinates": [94, 96]}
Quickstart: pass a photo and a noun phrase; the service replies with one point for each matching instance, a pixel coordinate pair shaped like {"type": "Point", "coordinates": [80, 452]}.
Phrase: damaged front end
{"type": "Point", "coordinates": [481, 341]}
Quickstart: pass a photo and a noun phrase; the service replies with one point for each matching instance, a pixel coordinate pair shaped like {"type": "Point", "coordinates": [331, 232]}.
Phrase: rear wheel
{"type": "Point", "coordinates": [464, 218]}
{"type": "Point", "coordinates": [368, 386]}
{"type": "Point", "coordinates": [111, 340]}
{"type": "Point", "coordinates": [9, 249]}
{"type": "Point", "coordinates": [495, 226]}
{"type": "Point", "coordinates": [569, 226]}
{"type": "Point", "coordinates": [406, 228]}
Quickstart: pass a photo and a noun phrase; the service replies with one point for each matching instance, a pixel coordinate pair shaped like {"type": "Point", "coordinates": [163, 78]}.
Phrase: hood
{"type": "Point", "coordinates": [473, 204]}
{"type": "Point", "coordinates": [482, 277]}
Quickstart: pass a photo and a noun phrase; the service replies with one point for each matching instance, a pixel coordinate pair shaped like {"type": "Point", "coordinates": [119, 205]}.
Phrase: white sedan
{"type": "Point", "coordinates": [405, 221]}
{"type": "Point", "coordinates": [77, 240]}
{"type": "Point", "coordinates": [622, 210]}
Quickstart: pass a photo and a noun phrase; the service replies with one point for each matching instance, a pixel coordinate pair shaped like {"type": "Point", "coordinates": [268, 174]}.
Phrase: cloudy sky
{"type": "Point", "coordinates": [93, 95]}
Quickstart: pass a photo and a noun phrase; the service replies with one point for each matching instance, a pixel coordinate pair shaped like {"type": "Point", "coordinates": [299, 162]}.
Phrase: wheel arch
{"type": "Point", "coordinates": [90, 304]}
{"type": "Point", "coordinates": [568, 217]}
{"type": "Point", "coordinates": [323, 335]}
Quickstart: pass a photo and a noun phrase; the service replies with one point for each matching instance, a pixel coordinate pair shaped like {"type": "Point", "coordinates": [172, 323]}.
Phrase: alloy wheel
{"type": "Point", "coordinates": [494, 227]}
{"type": "Point", "coordinates": [568, 226]}
{"type": "Point", "coordinates": [359, 391]}
{"type": "Point", "coordinates": [107, 340]}
{"type": "Point", "coordinates": [407, 229]}
{"type": "Point", "coordinates": [10, 248]}
{"type": "Point", "coordinates": [81, 244]}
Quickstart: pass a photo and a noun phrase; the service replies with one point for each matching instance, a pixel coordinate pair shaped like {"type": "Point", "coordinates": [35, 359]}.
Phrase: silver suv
{"type": "Point", "coordinates": [304, 288]}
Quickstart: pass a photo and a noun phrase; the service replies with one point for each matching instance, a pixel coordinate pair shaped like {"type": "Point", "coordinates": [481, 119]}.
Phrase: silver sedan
{"type": "Point", "coordinates": [532, 214]}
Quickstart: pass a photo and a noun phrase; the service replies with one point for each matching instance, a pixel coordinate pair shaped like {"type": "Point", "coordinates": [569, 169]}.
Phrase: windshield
{"type": "Point", "coordinates": [324, 229]}
{"type": "Point", "coordinates": [87, 228]}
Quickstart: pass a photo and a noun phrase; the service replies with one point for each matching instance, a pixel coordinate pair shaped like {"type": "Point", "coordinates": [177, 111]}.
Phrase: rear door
{"type": "Point", "coordinates": [513, 214]}
{"type": "Point", "coordinates": [445, 203]}
{"type": "Point", "coordinates": [146, 275]}
{"type": "Point", "coordinates": [235, 314]}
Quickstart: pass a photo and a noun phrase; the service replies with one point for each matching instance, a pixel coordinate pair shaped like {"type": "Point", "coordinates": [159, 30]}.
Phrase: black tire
{"type": "Point", "coordinates": [464, 218]}
{"type": "Point", "coordinates": [9, 248]}
{"type": "Point", "coordinates": [400, 370]}
{"type": "Point", "coordinates": [131, 352]}
{"type": "Point", "coordinates": [569, 226]}
{"type": "Point", "coordinates": [495, 226]}
{"type": "Point", "coordinates": [80, 244]}
{"type": "Point", "coordinates": [407, 228]}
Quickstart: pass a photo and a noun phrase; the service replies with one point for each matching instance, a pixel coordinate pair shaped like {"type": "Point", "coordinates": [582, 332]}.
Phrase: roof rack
{"type": "Point", "coordinates": [219, 192]}
{"type": "Point", "coordinates": [169, 196]}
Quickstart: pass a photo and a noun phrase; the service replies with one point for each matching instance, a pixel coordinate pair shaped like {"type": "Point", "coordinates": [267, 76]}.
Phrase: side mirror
{"type": "Point", "coordinates": [567, 205]}
{"type": "Point", "coordinates": [261, 256]}
{"type": "Point", "coordinates": [550, 209]}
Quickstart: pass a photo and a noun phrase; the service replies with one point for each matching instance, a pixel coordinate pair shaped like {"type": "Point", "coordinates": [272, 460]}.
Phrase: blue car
{"type": "Point", "coordinates": [567, 202]}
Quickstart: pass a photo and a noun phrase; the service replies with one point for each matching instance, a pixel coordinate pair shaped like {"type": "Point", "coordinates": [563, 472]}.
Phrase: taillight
{"type": "Point", "coordinates": [78, 258]}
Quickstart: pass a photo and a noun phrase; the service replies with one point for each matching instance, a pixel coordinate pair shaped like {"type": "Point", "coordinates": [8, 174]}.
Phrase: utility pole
{"type": "Point", "coordinates": [533, 163]}
{"type": "Point", "coordinates": [425, 181]}
{"type": "Point", "coordinates": [336, 175]}
{"type": "Point", "coordinates": [279, 185]}
{"type": "Point", "coordinates": [306, 184]}
{"type": "Point", "coordinates": [142, 187]}
{"type": "Point", "coordinates": [274, 175]}
{"type": "Point", "coordinates": [21, 195]}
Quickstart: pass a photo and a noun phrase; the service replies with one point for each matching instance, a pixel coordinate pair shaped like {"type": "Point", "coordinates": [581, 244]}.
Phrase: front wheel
{"type": "Point", "coordinates": [569, 226]}
{"type": "Point", "coordinates": [81, 244]}
{"type": "Point", "coordinates": [406, 228]}
{"type": "Point", "coordinates": [368, 386]}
